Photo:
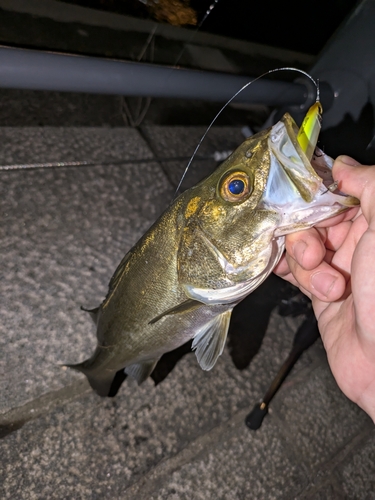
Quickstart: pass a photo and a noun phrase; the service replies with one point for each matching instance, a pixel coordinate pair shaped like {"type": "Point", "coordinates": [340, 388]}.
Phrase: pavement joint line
{"type": "Point", "coordinates": [311, 491]}
{"type": "Point", "coordinates": [289, 439]}
{"type": "Point", "coordinates": [296, 378]}
{"type": "Point", "coordinates": [147, 484]}
{"type": "Point", "coordinates": [325, 472]}
{"type": "Point", "coordinates": [15, 418]}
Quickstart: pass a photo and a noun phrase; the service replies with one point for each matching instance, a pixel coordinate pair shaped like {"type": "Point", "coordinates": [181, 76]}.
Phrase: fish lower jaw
{"type": "Point", "coordinates": [308, 217]}
{"type": "Point", "coordinates": [230, 295]}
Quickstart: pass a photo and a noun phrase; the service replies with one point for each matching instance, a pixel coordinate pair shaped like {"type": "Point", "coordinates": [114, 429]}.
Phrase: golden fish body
{"type": "Point", "coordinates": [213, 246]}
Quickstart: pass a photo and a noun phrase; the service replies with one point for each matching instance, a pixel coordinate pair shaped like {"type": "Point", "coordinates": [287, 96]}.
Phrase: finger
{"type": "Point", "coordinates": [282, 268]}
{"type": "Point", "coordinates": [359, 181]}
{"type": "Point", "coordinates": [306, 247]}
{"type": "Point", "coordinates": [336, 235]}
{"type": "Point", "coordinates": [324, 282]}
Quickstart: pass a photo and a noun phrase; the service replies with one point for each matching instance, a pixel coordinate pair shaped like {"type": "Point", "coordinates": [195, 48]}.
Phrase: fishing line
{"type": "Point", "coordinates": [217, 156]}
{"type": "Point", "coordinates": [140, 115]}
{"type": "Point", "coordinates": [190, 39]}
{"type": "Point", "coordinates": [316, 83]}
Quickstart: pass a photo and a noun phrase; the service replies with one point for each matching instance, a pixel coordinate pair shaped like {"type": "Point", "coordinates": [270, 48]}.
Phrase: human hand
{"type": "Point", "coordinates": [334, 264]}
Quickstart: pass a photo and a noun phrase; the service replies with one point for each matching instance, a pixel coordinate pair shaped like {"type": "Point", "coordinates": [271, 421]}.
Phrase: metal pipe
{"type": "Point", "coordinates": [37, 70]}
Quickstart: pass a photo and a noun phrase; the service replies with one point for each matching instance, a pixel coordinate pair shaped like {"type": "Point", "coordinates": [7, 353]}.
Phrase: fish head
{"type": "Point", "coordinates": [236, 219]}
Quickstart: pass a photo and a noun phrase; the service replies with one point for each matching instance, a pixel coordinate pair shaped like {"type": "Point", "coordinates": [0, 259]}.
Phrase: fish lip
{"type": "Point", "coordinates": [321, 163]}
{"type": "Point", "coordinates": [292, 177]}
{"type": "Point", "coordinates": [294, 189]}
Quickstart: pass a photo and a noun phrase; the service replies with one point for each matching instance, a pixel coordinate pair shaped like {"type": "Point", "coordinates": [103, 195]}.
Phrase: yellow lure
{"type": "Point", "coordinates": [308, 134]}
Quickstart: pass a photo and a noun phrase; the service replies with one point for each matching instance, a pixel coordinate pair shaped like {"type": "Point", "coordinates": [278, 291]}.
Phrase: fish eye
{"type": "Point", "coordinates": [235, 186]}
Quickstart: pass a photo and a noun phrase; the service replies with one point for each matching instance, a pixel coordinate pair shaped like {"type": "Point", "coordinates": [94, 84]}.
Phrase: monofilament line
{"type": "Point", "coordinates": [229, 101]}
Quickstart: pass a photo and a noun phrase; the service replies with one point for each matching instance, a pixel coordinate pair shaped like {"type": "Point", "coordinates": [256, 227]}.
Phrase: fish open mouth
{"type": "Point", "coordinates": [302, 192]}
{"type": "Point", "coordinates": [293, 176]}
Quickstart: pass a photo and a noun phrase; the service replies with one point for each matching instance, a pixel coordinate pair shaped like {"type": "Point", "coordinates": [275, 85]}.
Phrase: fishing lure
{"type": "Point", "coordinates": [308, 133]}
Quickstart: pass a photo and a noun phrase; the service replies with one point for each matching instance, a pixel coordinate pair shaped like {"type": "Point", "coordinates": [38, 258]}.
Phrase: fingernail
{"type": "Point", "coordinates": [323, 283]}
{"type": "Point", "coordinates": [299, 250]}
{"type": "Point", "coordinates": [347, 160]}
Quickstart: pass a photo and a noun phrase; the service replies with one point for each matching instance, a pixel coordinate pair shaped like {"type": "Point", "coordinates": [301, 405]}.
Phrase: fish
{"type": "Point", "coordinates": [215, 244]}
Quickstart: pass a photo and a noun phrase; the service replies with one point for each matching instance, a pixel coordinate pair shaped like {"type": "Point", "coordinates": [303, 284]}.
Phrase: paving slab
{"type": "Point", "coordinates": [53, 144]}
{"type": "Point", "coordinates": [27, 108]}
{"type": "Point", "coordinates": [321, 418]}
{"type": "Point", "coordinates": [63, 233]}
{"type": "Point", "coordinates": [239, 466]}
{"type": "Point", "coordinates": [330, 491]}
{"type": "Point", "coordinates": [105, 448]}
{"type": "Point", "coordinates": [95, 448]}
{"type": "Point", "coordinates": [350, 473]}
{"type": "Point", "coordinates": [357, 474]}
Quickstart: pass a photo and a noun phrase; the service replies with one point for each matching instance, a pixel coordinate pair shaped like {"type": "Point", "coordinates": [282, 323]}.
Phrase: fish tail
{"type": "Point", "coordinates": [100, 382]}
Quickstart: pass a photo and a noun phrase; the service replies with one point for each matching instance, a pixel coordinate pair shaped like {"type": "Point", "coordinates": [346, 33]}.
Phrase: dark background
{"type": "Point", "coordinates": [292, 24]}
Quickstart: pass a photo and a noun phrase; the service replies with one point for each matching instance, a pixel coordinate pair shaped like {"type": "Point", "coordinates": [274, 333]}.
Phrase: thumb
{"type": "Point", "coordinates": [357, 180]}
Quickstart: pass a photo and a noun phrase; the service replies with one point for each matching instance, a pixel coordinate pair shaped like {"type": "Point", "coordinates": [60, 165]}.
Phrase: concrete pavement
{"type": "Point", "coordinates": [63, 232]}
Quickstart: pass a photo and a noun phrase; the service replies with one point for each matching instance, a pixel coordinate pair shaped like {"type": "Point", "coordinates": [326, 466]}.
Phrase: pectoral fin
{"type": "Point", "coordinates": [141, 371]}
{"type": "Point", "coordinates": [209, 342]}
{"type": "Point", "coordinates": [187, 305]}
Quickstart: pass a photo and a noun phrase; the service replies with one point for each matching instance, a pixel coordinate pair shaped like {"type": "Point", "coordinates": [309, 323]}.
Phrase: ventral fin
{"type": "Point", "coordinates": [209, 342]}
{"type": "Point", "coordinates": [141, 371]}
{"type": "Point", "coordinates": [187, 305]}
{"type": "Point", "coordinates": [93, 313]}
